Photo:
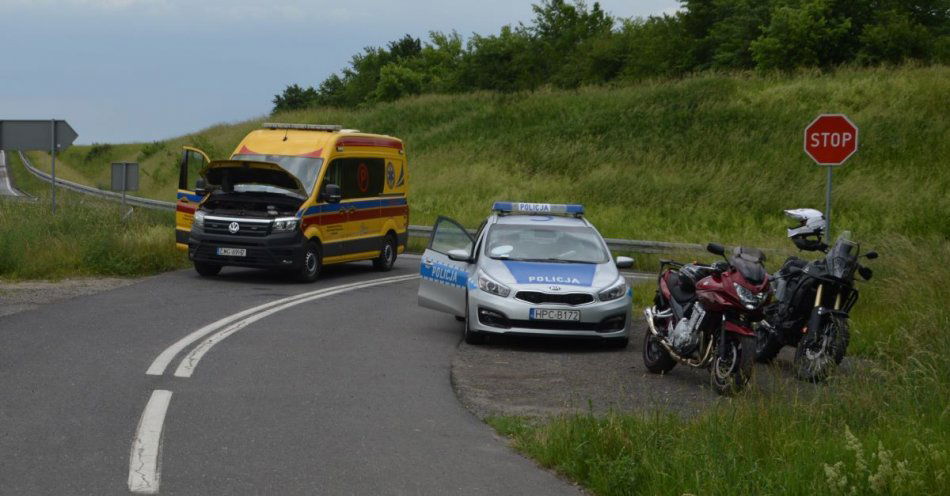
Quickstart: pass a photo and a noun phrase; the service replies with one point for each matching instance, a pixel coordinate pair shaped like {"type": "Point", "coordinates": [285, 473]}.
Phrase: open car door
{"type": "Point", "coordinates": [192, 161]}
{"type": "Point", "coordinates": [444, 281]}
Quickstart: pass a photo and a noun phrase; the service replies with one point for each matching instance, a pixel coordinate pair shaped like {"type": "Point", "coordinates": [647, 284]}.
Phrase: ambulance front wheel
{"type": "Point", "coordinates": [312, 263]}
{"type": "Point", "coordinates": [206, 269]}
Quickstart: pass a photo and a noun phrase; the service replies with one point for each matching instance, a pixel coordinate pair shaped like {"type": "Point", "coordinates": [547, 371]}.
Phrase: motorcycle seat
{"type": "Point", "coordinates": [681, 289]}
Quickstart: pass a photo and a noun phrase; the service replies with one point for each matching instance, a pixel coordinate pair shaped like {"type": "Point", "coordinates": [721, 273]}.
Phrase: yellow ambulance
{"type": "Point", "coordinates": [295, 197]}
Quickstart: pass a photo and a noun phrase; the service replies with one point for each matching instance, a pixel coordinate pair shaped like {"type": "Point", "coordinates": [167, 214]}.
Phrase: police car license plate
{"type": "Point", "coordinates": [232, 252]}
{"type": "Point", "coordinates": [549, 314]}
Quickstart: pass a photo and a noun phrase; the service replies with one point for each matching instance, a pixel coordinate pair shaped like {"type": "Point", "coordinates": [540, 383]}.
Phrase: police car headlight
{"type": "Point", "coordinates": [285, 224]}
{"type": "Point", "coordinates": [489, 285]}
{"type": "Point", "coordinates": [613, 292]}
{"type": "Point", "coordinates": [199, 219]}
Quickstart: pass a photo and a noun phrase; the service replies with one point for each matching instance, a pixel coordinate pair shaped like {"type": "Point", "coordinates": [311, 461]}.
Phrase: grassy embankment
{"type": "Point", "coordinates": [709, 158]}
{"type": "Point", "coordinates": [84, 238]}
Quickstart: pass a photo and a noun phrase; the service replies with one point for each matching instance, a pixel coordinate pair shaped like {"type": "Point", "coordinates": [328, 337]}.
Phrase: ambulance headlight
{"type": "Point", "coordinates": [491, 286]}
{"type": "Point", "coordinates": [199, 220]}
{"type": "Point", "coordinates": [285, 224]}
{"type": "Point", "coordinates": [614, 292]}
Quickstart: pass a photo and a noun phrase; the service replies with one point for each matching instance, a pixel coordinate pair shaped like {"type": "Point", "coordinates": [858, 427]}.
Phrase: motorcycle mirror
{"type": "Point", "coordinates": [716, 249]}
{"type": "Point", "coordinates": [866, 273]}
{"type": "Point", "coordinates": [871, 255]}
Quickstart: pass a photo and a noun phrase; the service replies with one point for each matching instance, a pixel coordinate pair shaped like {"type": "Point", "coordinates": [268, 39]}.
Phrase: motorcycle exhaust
{"type": "Point", "coordinates": [649, 314]}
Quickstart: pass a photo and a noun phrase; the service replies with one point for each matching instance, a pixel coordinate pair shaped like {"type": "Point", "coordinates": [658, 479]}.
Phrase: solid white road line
{"type": "Point", "coordinates": [190, 362]}
{"type": "Point", "coordinates": [145, 461]}
{"type": "Point", "coordinates": [161, 362]}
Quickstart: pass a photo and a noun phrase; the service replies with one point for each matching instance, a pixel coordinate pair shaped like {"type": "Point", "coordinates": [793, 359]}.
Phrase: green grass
{"type": "Point", "coordinates": [714, 157]}
{"type": "Point", "coordinates": [84, 237]}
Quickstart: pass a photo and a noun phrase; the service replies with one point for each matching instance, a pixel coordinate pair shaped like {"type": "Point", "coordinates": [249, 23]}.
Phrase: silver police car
{"type": "Point", "coordinates": [531, 269]}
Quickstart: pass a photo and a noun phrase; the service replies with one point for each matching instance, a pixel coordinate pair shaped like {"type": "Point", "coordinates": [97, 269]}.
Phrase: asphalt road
{"type": "Point", "coordinates": [347, 393]}
{"type": "Point", "coordinates": [6, 187]}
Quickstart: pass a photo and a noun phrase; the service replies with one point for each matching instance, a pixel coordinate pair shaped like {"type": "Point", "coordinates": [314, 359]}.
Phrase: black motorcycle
{"type": "Point", "coordinates": [811, 308]}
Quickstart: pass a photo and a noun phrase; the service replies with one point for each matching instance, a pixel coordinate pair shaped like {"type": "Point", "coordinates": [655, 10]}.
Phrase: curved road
{"type": "Point", "coordinates": [345, 393]}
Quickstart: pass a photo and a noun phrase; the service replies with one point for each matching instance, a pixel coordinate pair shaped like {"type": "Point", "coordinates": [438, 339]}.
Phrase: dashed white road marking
{"type": "Point", "coordinates": [145, 460]}
{"type": "Point", "coordinates": [161, 362]}
{"type": "Point", "coordinates": [190, 362]}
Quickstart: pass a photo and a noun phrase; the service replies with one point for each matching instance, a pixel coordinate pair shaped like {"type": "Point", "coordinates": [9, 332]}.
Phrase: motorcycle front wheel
{"type": "Point", "coordinates": [731, 370]}
{"type": "Point", "coordinates": [819, 353]}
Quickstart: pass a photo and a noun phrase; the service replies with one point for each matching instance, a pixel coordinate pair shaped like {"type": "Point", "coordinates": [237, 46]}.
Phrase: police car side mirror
{"type": "Point", "coordinates": [624, 262]}
{"type": "Point", "coordinates": [332, 193]}
{"type": "Point", "coordinates": [459, 256]}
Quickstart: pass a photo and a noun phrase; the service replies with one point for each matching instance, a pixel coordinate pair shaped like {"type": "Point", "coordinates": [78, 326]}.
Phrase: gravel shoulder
{"type": "Point", "coordinates": [541, 378]}
{"type": "Point", "coordinates": [28, 295]}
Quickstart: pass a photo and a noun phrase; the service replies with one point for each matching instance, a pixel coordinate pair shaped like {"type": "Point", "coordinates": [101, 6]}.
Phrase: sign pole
{"type": "Point", "coordinates": [52, 152]}
{"type": "Point", "coordinates": [828, 201]}
{"type": "Point", "coordinates": [125, 172]}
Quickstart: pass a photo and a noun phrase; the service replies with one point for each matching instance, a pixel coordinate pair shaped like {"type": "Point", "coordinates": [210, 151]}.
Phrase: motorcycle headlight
{"type": "Point", "coordinates": [489, 285]}
{"type": "Point", "coordinates": [613, 292]}
{"type": "Point", "coordinates": [749, 299]}
{"type": "Point", "coordinates": [285, 224]}
{"type": "Point", "coordinates": [199, 220]}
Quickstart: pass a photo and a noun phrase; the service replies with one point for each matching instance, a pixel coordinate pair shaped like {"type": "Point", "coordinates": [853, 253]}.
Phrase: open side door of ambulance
{"type": "Point", "coordinates": [444, 281]}
{"type": "Point", "coordinates": [192, 161]}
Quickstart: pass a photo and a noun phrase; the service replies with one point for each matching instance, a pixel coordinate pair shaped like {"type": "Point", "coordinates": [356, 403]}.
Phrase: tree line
{"type": "Point", "coordinates": [570, 44]}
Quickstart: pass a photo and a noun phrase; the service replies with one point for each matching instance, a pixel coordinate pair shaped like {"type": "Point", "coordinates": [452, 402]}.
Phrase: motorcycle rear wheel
{"type": "Point", "coordinates": [655, 357]}
{"type": "Point", "coordinates": [731, 370]}
{"type": "Point", "coordinates": [766, 346]}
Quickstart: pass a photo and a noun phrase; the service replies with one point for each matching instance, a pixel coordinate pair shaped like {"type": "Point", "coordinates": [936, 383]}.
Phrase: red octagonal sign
{"type": "Point", "coordinates": [831, 139]}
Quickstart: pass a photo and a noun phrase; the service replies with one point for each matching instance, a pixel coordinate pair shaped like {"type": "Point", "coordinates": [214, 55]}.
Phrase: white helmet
{"type": "Point", "coordinates": [808, 223]}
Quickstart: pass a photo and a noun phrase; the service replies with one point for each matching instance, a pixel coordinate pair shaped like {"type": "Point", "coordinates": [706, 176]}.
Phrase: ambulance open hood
{"type": "Point", "coordinates": [220, 173]}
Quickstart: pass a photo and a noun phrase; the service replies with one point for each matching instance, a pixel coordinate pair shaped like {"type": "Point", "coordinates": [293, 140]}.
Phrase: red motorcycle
{"type": "Point", "coordinates": [702, 316]}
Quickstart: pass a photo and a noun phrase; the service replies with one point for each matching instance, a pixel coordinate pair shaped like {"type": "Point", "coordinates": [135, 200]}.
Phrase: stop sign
{"type": "Point", "coordinates": [831, 139]}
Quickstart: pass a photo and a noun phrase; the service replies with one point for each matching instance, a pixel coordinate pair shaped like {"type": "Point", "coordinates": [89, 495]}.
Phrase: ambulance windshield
{"type": "Point", "coordinates": [545, 244]}
{"type": "Point", "coordinates": [305, 169]}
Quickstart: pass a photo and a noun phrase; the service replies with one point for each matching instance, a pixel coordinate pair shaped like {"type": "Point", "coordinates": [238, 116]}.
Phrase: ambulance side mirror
{"type": "Point", "coordinates": [201, 187]}
{"type": "Point", "coordinates": [624, 262]}
{"type": "Point", "coordinates": [331, 194]}
{"type": "Point", "coordinates": [459, 256]}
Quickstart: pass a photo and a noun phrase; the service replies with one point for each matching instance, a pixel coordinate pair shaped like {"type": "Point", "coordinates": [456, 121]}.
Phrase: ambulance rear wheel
{"type": "Point", "coordinates": [312, 263]}
{"type": "Point", "coordinates": [206, 269]}
{"type": "Point", "coordinates": [387, 254]}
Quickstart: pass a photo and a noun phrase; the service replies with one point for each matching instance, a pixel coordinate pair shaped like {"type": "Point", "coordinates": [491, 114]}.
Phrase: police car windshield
{"type": "Point", "coordinates": [530, 243]}
{"type": "Point", "coordinates": [305, 169]}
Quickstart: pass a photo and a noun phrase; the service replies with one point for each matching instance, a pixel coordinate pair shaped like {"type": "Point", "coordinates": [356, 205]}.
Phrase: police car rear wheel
{"type": "Point", "coordinates": [387, 254]}
{"type": "Point", "coordinates": [207, 270]}
{"type": "Point", "coordinates": [312, 262]}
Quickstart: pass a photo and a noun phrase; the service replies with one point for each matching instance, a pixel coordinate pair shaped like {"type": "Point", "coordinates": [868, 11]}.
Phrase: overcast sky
{"type": "Point", "coordinates": [142, 70]}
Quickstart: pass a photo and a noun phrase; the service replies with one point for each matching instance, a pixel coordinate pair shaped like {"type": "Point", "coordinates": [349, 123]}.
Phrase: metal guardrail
{"type": "Point", "coordinates": [616, 244]}
{"type": "Point", "coordinates": [88, 190]}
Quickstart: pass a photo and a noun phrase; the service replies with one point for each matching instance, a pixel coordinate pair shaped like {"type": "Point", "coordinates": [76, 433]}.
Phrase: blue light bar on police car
{"type": "Point", "coordinates": [538, 208]}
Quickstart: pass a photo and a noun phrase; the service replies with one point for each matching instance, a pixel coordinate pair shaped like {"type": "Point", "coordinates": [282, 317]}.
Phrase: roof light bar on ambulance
{"type": "Point", "coordinates": [306, 127]}
{"type": "Point", "coordinates": [576, 210]}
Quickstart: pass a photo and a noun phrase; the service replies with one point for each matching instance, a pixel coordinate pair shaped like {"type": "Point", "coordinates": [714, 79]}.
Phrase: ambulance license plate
{"type": "Point", "coordinates": [232, 252]}
{"type": "Point", "coordinates": [550, 314]}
